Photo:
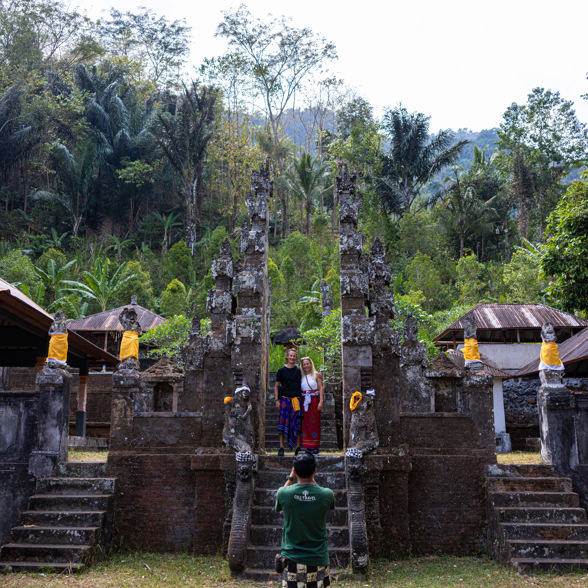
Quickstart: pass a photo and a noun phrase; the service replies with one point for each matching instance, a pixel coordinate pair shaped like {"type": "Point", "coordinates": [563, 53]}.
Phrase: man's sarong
{"type": "Point", "coordinates": [311, 425]}
{"type": "Point", "coordinates": [290, 423]}
{"type": "Point", "coordinates": [296, 575]}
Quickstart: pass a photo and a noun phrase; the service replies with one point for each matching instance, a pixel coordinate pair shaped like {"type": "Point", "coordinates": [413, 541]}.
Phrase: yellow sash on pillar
{"type": "Point", "coordinates": [550, 354]}
{"type": "Point", "coordinates": [58, 347]}
{"type": "Point", "coordinates": [129, 346]}
{"type": "Point", "coordinates": [470, 350]}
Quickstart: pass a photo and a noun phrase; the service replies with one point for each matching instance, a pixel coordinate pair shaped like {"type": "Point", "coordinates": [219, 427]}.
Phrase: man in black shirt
{"type": "Point", "coordinates": [290, 423]}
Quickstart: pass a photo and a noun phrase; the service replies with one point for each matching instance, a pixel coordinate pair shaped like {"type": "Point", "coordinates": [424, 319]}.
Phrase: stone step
{"type": "Point", "coordinates": [553, 565]}
{"type": "Point", "coordinates": [82, 469]}
{"type": "Point", "coordinates": [40, 566]}
{"type": "Point", "coordinates": [532, 470]}
{"type": "Point", "coordinates": [54, 518]}
{"type": "Point", "coordinates": [325, 463]}
{"type": "Point", "coordinates": [267, 497]}
{"type": "Point", "coordinates": [570, 532]}
{"type": "Point", "coordinates": [264, 557]}
{"type": "Point", "coordinates": [266, 515]}
{"type": "Point", "coordinates": [75, 486]}
{"type": "Point", "coordinates": [547, 548]}
{"type": "Point", "coordinates": [55, 535]}
{"type": "Point", "coordinates": [537, 514]}
{"type": "Point", "coordinates": [38, 552]}
{"type": "Point", "coordinates": [534, 499]}
{"type": "Point", "coordinates": [530, 484]}
{"type": "Point", "coordinates": [268, 479]}
{"type": "Point", "coordinates": [271, 535]}
{"type": "Point", "coordinates": [70, 502]}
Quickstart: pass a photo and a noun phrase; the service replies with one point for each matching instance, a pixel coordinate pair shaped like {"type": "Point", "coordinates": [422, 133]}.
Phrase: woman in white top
{"type": "Point", "coordinates": [313, 399]}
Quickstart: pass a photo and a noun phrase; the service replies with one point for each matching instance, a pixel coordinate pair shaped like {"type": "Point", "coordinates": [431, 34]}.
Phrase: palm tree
{"type": "Point", "coordinates": [99, 286]}
{"type": "Point", "coordinates": [76, 175]}
{"type": "Point", "coordinates": [118, 245]}
{"type": "Point", "coordinates": [16, 133]}
{"type": "Point", "coordinates": [462, 211]}
{"type": "Point", "coordinates": [184, 139]}
{"type": "Point", "coordinates": [168, 222]}
{"type": "Point", "coordinates": [307, 179]}
{"type": "Point", "coordinates": [414, 158]}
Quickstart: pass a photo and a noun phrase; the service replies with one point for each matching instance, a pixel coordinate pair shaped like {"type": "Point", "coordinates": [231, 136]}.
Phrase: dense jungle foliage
{"type": "Point", "coordinates": [121, 174]}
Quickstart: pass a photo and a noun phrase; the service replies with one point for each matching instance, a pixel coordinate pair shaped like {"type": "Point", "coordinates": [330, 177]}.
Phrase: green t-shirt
{"type": "Point", "coordinates": [305, 507]}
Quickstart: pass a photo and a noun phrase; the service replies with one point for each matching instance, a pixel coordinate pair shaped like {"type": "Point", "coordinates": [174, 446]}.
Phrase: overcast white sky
{"type": "Point", "coordinates": [461, 62]}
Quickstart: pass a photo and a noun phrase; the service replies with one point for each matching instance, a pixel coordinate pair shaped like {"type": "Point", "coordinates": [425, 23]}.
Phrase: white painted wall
{"type": "Point", "coordinates": [499, 419]}
{"type": "Point", "coordinates": [510, 357]}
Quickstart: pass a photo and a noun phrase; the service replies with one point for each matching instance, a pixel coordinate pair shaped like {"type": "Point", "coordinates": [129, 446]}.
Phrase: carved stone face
{"type": "Point", "coordinates": [469, 330]}
{"type": "Point", "coordinates": [548, 333]}
{"type": "Point", "coordinates": [354, 471]}
{"type": "Point", "coordinates": [244, 472]}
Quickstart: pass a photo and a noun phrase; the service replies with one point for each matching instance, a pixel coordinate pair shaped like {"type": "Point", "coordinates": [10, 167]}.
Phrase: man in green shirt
{"type": "Point", "coordinates": [305, 505]}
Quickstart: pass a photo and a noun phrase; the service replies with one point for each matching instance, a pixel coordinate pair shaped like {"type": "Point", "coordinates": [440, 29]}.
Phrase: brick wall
{"type": "Point", "coordinates": [156, 506]}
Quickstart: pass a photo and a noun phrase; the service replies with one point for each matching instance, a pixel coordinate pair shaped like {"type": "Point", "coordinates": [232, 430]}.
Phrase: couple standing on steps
{"type": "Point", "coordinates": [298, 420]}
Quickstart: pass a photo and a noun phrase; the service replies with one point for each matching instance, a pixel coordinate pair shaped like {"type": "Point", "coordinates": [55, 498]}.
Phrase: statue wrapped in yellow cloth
{"type": "Point", "coordinates": [57, 355]}
{"type": "Point", "coordinates": [549, 359]}
{"type": "Point", "coordinates": [129, 347]}
{"type": "Point", "coordinates": [470, 347]}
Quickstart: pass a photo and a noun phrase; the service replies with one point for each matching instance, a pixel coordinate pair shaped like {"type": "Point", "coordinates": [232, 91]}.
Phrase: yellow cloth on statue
{"type": "Point", "coordinates": [227, 399]}
{"type": "Point", "coordinates": [58, 347]}
{"type": "Point", "coordinates": [470, 350]}
{"type": "Point", "coordinates": [355, 400]}
{"type": "Point", "coordinates": [129, 346]}
{"type": "Point", "coordinates": [295, 404]}
{"type": "Point", "coordinates": [550, 354]}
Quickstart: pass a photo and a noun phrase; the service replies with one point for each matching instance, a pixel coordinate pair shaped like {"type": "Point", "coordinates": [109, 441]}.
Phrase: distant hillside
{"type": "Point", "coordinates": [482, 139]}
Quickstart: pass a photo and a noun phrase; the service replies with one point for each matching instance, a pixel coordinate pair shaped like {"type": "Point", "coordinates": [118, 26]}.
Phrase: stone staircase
{"type": "Point", "coordinates": [535, 521]}
{"type": "Point", "coordinates": [69, 521]}
{"type": "Point", "coordinates": [265, 537]}
{"type": "Point", "coordinates": [328, 425]}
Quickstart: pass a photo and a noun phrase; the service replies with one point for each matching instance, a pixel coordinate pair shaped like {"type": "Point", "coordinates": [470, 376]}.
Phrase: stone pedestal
{"type": "Point", "coordinates": [53, 421]}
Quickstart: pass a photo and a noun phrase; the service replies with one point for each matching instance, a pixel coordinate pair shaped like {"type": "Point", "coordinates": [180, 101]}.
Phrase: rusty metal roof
{"type": "Point", "coordinates": [19, 310]}
{"type": "Point", "coordinates": [573, 350]}
{"type": "Point", "coordinates": [107, 321]}
{"type": "Point", "coordinates": [513, 323]}
{"type": "Point", "coordinates": [459, 360]}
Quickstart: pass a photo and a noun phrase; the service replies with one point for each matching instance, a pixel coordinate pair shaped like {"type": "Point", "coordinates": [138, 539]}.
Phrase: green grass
{"type": "Point", "coordinates": [75, 455]}
{"type": "Point", "coordinates": [519, 457]}
{"type": "Point", "coordinates": [165, 570]}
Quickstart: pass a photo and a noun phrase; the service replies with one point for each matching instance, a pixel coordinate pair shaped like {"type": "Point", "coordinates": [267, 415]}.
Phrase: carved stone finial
{"type": "Point", "coordinates": [345, 182]}
{"type": "Point", "coordinates": [195, 326]}
{"type": "Point", "coordinates": [326, 298]}
{"type": "Point", "coordinates": [377, 250]}
{"type": "Point", "coordinates": [260, 180]}
{"type": "Point", "coordinates": [225, 249]}
{"type": "Point", "coordinates": [410, 331]}
{"type": "Point", "coordinates": [134, 299]}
